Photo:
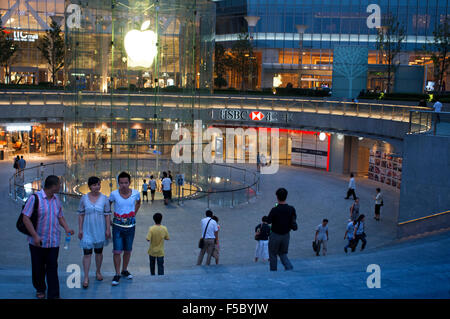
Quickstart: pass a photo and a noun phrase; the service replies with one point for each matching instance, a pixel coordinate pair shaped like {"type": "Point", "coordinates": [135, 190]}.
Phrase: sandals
{"type": "Point", "coordinates": [40, 295]}
{"type": "Point", "coordinates": [86, 285]}
{"type": "Point", "coordinates": [99, 277]}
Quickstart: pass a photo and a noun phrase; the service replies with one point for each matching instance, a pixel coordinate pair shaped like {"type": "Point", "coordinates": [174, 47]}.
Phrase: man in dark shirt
{"type": "Point", "coordinates": [282, 218]}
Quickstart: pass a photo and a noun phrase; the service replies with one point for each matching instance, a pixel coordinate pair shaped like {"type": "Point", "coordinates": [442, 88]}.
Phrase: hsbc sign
{"type": "Point", "coordinates": [247, 115]}
{"type": "Point", "coordinates": [252, 116]}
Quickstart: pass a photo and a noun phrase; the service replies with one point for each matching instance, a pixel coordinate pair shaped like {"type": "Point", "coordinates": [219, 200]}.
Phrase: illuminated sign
{"type": "Point", "coordinates": [141, 46]}
{"type": "Point", "coordinates": [18, 128]}
{"type": "Point", "coordinates": [24, 37]}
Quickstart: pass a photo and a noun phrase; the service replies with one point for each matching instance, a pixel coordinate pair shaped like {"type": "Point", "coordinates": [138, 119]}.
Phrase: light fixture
{"type": "Point", "coordinates": [340, 136]}
{"type": "Point", "coordinates": [322, 136]}
{"type": "Point", "coordinates": [360, 138]}
{"type": "Point", "coordinates": [18, 128]}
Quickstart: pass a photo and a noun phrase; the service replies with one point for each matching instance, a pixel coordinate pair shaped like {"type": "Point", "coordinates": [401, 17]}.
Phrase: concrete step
{"type": "Point", "coordinates": [416, 268]}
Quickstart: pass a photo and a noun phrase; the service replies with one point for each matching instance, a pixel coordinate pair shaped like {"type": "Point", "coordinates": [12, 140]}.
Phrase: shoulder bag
{"type": "Point", "coordinates": [201, 242]}
{"type": "Point", "coordinates": [34, 217]}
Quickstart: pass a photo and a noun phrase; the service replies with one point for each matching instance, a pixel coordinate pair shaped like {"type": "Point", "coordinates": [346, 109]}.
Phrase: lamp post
{"type": "Point", "coordinates": [301, 28]}
{"type": "Point", "coordinates": [252, 21]}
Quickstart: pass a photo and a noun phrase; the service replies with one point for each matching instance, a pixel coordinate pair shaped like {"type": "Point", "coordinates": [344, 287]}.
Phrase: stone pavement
{"type": "Point", "coordinates": [314, 193]}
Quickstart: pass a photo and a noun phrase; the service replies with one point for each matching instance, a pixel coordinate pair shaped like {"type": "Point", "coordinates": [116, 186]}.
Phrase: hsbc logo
{"type": "Point", "coordinates": [244, 115]}
{"type": "Point", "coordinates": [256, 116]}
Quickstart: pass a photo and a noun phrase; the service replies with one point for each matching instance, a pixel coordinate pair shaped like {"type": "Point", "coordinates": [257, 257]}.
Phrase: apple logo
{"type": "Point", "coordinates": [141, 46]}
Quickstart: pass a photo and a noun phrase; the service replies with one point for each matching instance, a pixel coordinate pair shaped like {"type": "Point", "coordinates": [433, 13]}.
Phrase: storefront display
{"type": "Point", "coordinates": [385, 168]}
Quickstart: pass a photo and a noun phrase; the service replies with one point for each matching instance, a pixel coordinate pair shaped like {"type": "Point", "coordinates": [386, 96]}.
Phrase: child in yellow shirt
{"type": "Point", "coordinates": [156, 236]}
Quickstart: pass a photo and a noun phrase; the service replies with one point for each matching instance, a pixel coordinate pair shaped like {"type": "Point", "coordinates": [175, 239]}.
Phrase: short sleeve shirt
{"type": "Point", "coordinates": [156, 235]}
{"type": "Point", "coordinates": [124, 209]}
{"type": "Point", "coordinates": [350, 230]}
{"type": "Point", "coordinates": [152, 184]}
{"type": "Point", "coordinates": [212, 227]}
{"type": "Point", "coordinates": [47, 228]}
{"type": "Point", "coordinates": [166, 183]}
{"type": "Point", "coordinates": [144, 187]}
{"type": "Point", "coordinates": [322, 235]}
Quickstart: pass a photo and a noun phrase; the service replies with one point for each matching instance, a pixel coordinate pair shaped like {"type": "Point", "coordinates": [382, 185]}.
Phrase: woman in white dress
{"type": "Point", "coordinates": [94, 222]}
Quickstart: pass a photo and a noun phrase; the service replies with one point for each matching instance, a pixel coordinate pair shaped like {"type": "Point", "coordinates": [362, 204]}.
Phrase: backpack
{"type": "Point", "coordinates": [34, 217]}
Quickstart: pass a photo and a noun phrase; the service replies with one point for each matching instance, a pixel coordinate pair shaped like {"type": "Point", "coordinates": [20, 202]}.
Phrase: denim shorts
{"type": "Point", "coordinates": [123, 238]}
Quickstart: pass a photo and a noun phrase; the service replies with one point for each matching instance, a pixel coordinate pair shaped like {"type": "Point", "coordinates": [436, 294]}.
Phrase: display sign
{"type": "Point", "coordinates": [251, 115]}
{"type": "Point", "coordinates": [21, 36]}
{"type": "Point", "coordinates": [308, 150]}
{"type": "Point", "coordinates": [385, 168]}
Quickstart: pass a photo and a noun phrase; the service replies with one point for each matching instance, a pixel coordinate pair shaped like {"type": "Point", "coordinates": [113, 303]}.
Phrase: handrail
{"type": "Point", "coordinates": [16, 177]}
{"type": "Point", "coordinates": [232, 97]}
{"type": "Point", "coordinates": [422, 218]}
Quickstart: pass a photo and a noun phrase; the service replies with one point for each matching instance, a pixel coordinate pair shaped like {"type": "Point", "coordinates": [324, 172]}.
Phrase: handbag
{"type": "Point", "coordinates": [20, 225]}
{"type": "Point", "coordinates": [201, 242]}
{"type": "Point", "coordinates": [314, 245]}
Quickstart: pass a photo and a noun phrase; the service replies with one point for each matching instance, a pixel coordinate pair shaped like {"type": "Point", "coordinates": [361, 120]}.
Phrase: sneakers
{"type": "Point", "coordinates": [126, 273]}
{"type": "Point", "coordinates": [115, 281]}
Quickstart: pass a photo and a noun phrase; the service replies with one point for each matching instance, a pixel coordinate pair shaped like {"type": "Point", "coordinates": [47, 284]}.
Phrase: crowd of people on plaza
{"type": "Point", "coordinates": [102, 218]}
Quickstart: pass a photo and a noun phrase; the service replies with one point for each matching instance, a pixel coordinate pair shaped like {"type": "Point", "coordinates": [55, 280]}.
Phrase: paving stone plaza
{"type": "Point", "coordinates": [409, 268]}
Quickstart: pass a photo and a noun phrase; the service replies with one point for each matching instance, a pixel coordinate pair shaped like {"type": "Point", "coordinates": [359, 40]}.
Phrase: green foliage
{"type": "Point", "coordinates": [389, 43]}
{"type": "Point", "coordinates": [439, 50]}
{"type": "Point", "coordinates": [8, 49]}
{"type": "Point", "coordinates": [222, 61]}
{"type": "Point", "coordinates": [52, 49]}
{"type": "Point", "coordinates": [243, 61]}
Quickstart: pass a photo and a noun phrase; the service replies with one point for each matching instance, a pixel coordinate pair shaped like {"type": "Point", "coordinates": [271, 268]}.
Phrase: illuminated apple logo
{"type": "Point", "coordinates": [141, 46]}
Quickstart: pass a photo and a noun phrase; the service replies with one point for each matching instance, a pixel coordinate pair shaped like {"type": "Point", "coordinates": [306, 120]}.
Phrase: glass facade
{"type": "Point", "coordinates": [325, 23]}
{"type": "Point", "coordinates": [122, 49]}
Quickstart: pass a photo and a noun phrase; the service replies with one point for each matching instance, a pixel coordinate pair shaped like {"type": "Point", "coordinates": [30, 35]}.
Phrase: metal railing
{"type": "Point", "coordinates": [225, 185]}
{"type": "Point", "coordinates": [290, 104]}
{"type": "Point", "coordinates": [436, 123]}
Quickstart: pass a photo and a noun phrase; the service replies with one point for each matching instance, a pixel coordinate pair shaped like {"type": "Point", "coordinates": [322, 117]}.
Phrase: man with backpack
{"type": "Point", "coordinates": [44, 240]}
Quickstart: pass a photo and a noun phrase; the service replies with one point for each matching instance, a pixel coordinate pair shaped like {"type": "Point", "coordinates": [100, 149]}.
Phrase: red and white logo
{"type": "Point", "coordinates": [256, 116]}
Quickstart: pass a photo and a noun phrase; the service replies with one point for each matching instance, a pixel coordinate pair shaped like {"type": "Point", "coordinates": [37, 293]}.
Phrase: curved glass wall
{"type": "Point", "coordinates": [135, 55]}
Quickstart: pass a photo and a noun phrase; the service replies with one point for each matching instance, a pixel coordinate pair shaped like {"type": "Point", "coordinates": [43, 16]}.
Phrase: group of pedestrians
{"type": "Point", "coordinates": [101, 218]}
{"type": "Point", "coordinates": [165, 187]}
{"type": "Point", "coordinates": [19, 164]}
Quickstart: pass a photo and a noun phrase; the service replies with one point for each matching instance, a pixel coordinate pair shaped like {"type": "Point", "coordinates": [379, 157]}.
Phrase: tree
{"type": "Point", "coordinates": [389, 43]}
{"type": "Point", "coordinates": [7, 51]}
{"type": "Point", "coordinates": [52, 49]}
{"type": "Point", "coordinates": [439, 50]}
{"type": "Point", "coordinates": [221, 63]}
{"type": "Point", "coordinates": [243, 61]}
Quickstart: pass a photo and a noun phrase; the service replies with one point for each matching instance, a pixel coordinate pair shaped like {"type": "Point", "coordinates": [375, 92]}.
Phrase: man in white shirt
{"type": "Point", "coordinates": [166, 187]}
{"type": "Point", "coordinates": [437, 108]}
{"type": "Point", "coordinates": [209, 235]}
{"type": "Point", "coordinates": [322, 237]}
{"type": "Point", "coordinates": [378, 204]}
{"type": "Point", "coordinates": [351, 187]}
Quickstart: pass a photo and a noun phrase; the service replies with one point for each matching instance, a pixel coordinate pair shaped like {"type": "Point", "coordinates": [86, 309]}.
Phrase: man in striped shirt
{"type": "Point", "coordinates": [44, 240]}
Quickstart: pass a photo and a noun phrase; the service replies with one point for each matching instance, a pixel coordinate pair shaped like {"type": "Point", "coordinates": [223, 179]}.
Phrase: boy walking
{"type": "Point", "coordinates": [152, 187]}
{"type": "Point", "coordinates": [144, 190]}
{"type": "Point", "coordinates": [321, 237]}
{"type": "Point", "coordinates": [156, 236]}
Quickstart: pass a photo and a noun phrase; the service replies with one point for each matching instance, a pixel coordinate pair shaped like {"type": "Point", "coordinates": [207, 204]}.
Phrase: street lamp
{"type": "Point", "coordinates": [252, 21]}
{"type": "Point", "coordinates": [301, 28]}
